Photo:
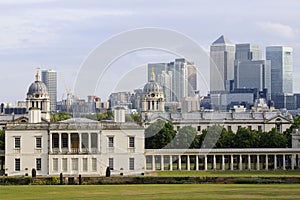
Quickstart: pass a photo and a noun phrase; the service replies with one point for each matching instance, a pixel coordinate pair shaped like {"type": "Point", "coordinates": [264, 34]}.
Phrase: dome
{"type": "Point", "coordinates": [152, 86]}
{"type": "Point", "coordinates": [37, 87]}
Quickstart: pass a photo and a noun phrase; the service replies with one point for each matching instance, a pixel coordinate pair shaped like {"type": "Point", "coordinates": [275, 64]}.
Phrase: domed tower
{"type": "Point", "coordinates": [153, 96]}
{"type": "Point", "coordinates": [38, 99]}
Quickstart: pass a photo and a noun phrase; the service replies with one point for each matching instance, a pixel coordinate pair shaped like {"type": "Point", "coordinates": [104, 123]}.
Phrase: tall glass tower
{"type": "Point", "coordinates": [222, 55]}
{"type": "Point", "coordinates": [49, 78]}
{"type": "Point", "coordinates": [281, 68]}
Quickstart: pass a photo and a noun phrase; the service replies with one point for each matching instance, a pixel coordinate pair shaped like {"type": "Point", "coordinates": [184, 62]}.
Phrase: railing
{"type": "Point", "coordinates": [74, 151]}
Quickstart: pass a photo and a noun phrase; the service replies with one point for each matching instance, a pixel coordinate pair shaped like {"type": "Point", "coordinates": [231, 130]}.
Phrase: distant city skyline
{"type": "Point", "coordinates": [51, 34]}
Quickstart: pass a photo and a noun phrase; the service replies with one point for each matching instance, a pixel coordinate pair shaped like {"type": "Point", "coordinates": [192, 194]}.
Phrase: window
{"type": "Point", "coordinates": [38, 162]}
{"type": "Point", "coordinates": [250, 128]}
{"type": "Point", "coordinates": [111, 163]}
{"type": "Point", "coordinates": [64, 140]}
{"type": "Point", "coordinates": [38, 142]}
{"type": "Point", "coordinates": [85, 140]}
{"type": "Point", "coordinates": [178, 127]}
{"type": "Point", "coordinates": [198, 128]}
{"type": "Point", "coordinates": [110, 141]}
{"type": "Point", "coordinates": [229, 128]}
{"type": "Point", "coordinates": [64, 164]}
{"type": "Point", "coordinates": [94, 138]}
{"type": "Point", "coordinates": [278, 127]}
{"type": "Point", "coordinates": [17, 164]}
{"type": "Point", "coordinates": [75, 164]}
{"type": "Point", "coordinates": [84, 164]}
{"type": "Point", "coordinates": [55, 140]}
{"type": "Point", "coordinates": [131, 142]}
{"type": "Point", "coordinates": [55, 164]}
{"type": "Point", "coordinates": [259, 128]}
{"type": "Point", "coordinates": [94, 164]}
{"type": "Point", "coordinates": [17, 142]}
{"type": "Point", "coordinates": [131, 163]}
{"type": "Point", "coordinates": [239, 127]}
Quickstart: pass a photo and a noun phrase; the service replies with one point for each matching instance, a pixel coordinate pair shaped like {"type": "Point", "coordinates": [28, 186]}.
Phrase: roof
{"type": "Point", "coordinates": [79, 120]}
{"type": "Point", "coordinates": [222, 40]}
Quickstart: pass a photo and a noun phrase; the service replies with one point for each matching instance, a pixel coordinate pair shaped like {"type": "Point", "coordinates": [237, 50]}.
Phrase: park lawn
{"type": "Point", "coordinates": [132, 192]}
{"type": "Point", "coordinates": [228, 173]}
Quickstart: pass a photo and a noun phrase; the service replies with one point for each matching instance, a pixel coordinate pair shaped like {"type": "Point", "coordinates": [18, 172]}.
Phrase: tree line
{"type": "Point", "coordinates": [161, 134]}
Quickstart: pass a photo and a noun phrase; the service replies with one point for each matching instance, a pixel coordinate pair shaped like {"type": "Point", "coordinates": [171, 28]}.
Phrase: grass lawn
{"type": "Point", "coordinates": [228, 173]}
{"type": "Point", "coordinates": [124, 192]}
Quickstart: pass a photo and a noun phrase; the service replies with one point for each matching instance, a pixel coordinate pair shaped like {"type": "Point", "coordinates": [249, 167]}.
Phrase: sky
{"type": "Point", "coordinates": [61, 34]}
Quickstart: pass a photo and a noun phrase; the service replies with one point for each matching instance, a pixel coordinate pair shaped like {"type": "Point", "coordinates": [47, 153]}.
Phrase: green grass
{"type": "Point", "coordinates": [132, 192]}
{"type": "Point", "coordinates": [235, 173]}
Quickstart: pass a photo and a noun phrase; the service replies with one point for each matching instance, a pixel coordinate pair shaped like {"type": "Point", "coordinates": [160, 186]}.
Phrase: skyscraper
{"type": "Point", "coordinates": [245, 52]}
{"type": "Point", "coordinates": [281, 68]}
{"type": "Point", "coordinates": [49, 78]}
{"type": "Point", "coordinates": [178, 79]}
{"type": "Point", "coordinates": [222, 55]}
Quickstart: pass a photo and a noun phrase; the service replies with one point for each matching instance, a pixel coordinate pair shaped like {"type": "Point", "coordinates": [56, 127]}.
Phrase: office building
{"type": "Point", "coordinates": [49, 78]}
{"type": "Point", "coordinates": [222, 55]}
{"type": "Point", "coordinates": [246, 52]}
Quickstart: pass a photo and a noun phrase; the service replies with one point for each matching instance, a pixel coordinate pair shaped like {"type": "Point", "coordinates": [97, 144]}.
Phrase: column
{"type": "Point", "coordinates": [179, 162]}
{"type": "Point", "coordinates": [240, 162]}
{"type": "Point", "coordinates": [171, 163]}
{"type": "Point", "coordinates": [90, 143]}
{"type": "Point", "coordinates": [249, 162]}
{"type": "Point", "coordinates": [283, 160]}
{"type": "Point", "coordinates": [162, 163]}
{"type": "Point", "coordinates": [59, 141]}
{"type": "Point", "coordinates": [275, 162]}
{"type": "Point", "coordinates": [69, 143]}
{"type": "Point", "coordinates": [214, 162]}
{"type": "Point", "coordinates": [267, 162]}
{"type": "Point", "coordinates": [205, 162]}
{"type": "Point", "coordinates": [223, 162]}
{"type": "Point", "coordinates": [50, 142]}
{"type": "Point", "coordinates": [231, 162]}
{"type": "Point", "coordinates": [188, 163]}
{"type": "Point", "coordinates": [257, 162]}
{"type": "Point", "coordinates": [153, 163]}
{"type": "Point", "coordinates": [197, 162]}
{"type": "Point", "coordinates": [80, 142]}
{"type": "Point", "coordinates": [293, 161]}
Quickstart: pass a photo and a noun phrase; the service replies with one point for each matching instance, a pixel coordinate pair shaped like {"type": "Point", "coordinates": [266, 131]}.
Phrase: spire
{"type": "Point", "coordinates": [38, 75]}
{"type": "Point", "coordinates": [152, 75]}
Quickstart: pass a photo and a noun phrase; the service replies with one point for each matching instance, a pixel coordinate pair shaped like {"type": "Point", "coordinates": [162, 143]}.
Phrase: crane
{"type": "Point", "coordinates": [68, 91]}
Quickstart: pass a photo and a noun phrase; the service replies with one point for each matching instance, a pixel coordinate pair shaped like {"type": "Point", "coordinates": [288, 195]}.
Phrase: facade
{"type": "Point", "coordinates": [120, 99]}
{"type": "Point", "coordinates": [246, 52]}
{"type": "Point", "coordinates": [222, 54]}
{"type": "Point", "coordinates": [72, 147]}
{"type": "Point", "coordinates": [253, 74]}
{"type": "Point", "coordinates": [281, 58]}
{"type": "Point", "coordinates": [49, 78]}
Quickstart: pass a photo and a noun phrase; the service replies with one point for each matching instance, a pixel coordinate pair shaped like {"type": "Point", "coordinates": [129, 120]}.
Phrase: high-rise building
{"type": "Point", "coordinates": [178, 79]}
{"type": "Point", "coordinates": [281, 68]}
{"type": "Point", "coordinates": [245, 52]}
{"type": "Point", "coordinates": [49, 78]}
{"type": "Point", "coordinates": [222, 55]}
{"type": "Point", "coordinates": [253, 74]}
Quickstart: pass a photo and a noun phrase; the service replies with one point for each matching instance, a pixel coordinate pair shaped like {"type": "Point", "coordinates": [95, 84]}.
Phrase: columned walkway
{"type": "Point", "coordinates": [222, 159]}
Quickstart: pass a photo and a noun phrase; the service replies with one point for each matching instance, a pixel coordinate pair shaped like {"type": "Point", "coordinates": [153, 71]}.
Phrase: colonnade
{"type": "Point", "coordinates": [218, 160]}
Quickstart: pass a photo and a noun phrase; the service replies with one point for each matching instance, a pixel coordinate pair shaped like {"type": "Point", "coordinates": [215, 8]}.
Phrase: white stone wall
{"type": "Point", "coordinates": [27, 152]}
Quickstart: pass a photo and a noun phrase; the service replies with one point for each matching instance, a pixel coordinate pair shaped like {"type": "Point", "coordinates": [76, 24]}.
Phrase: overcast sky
{"type": "Point", "coordinates": [61, 34]}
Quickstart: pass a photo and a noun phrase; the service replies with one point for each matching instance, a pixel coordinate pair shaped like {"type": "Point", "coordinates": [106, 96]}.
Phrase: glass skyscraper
{"type": "Point", "coordinates": [222, 55]}
{"type": "Point", "coordinates": [281, 58]}
{"type": "Point", "coordinates": [49, 78]}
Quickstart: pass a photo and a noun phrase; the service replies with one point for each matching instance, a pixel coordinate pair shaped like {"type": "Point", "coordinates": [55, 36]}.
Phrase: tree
{"type": "Point", "coordinates": [60, 116]}
{"type": "Point", "coordinates": [287, 133]}
{"type": "Point", "coordinates": [136, 117]}
{"type": "Point", "coordinates": [186, 138]}
{"type": "Point", "coordinates": [109, 115]}
{"type": "Point", "coordinates": [273, 139]}
{"type": "Point", "coordinates": [209, 137]}
{"type": "Point", "coordinates": [2, 140]}
{"type": "Point", "coordinates": [245, 138]}
{"type": "Point", "coordinates": [226, 139]}
{"type": "Point", "coordinates": [159, 135]}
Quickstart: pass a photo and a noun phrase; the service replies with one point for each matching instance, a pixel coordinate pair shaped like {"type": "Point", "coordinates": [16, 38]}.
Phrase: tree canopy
{"type": "Point", "coordinates": [60, 116]}
{"type": "Point", "coordinates": [2, 139]}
